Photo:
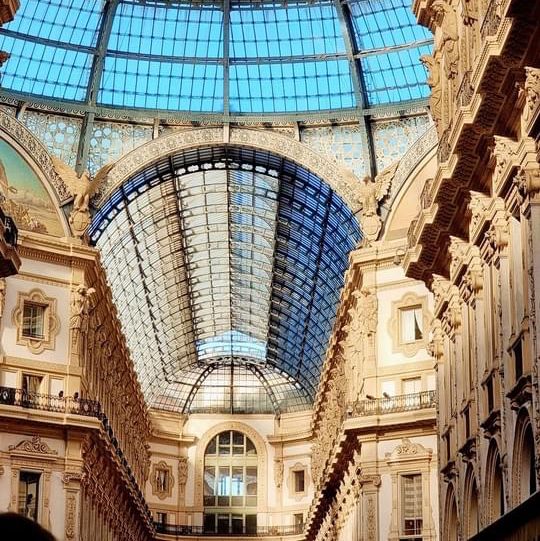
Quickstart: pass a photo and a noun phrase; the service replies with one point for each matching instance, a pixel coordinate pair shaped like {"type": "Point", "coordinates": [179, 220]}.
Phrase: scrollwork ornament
{"type": "Point", "coordinates": [532, 92]}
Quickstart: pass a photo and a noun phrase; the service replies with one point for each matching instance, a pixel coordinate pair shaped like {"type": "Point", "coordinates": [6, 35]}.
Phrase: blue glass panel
{"type": "Point", "coordinates": [384, 23]}
{"type": "Point", "coordinates": [130, 82]}
{"type": "Point", "coordinates": [299, 86]}
{"type": "Point", "coordinates": [176, 29]}
{"type": "Point", "coordinates": [395, 76]}
{"type": "Point", "coordinates": [277, 30]}
{"type": "Point", "coordinates": [38, 69]}
{"type": "Point", "coordinates": [71, 21]}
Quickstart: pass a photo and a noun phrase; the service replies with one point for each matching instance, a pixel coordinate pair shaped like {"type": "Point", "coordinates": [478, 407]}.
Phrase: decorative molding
{"type": "Point", "coordinates": [33, 446]}
{"type": "Point", "coordinates": [409, 300]}
{"type": "Point", "coordinates": [345, 183]}
{"type": "Point", "coordinates": [51, 324]}
{"type": "Point", "coordinates": [260, 446]}
{"type": "Point", "coordinates": [162, 480]}
{"type": "Point", "coordinates": [298, 467]}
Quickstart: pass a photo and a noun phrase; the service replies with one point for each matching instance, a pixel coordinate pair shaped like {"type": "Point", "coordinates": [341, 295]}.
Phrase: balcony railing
{"type": "Point", "coordinates": [47, 402]}
{"type": "Point", "coordinates": [394, 404]}
{"type": "Point", "coordinates": [262, 531]}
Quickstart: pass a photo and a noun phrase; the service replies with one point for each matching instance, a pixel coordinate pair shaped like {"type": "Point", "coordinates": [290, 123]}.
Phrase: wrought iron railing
{"type": "Point", "coordinates": [261, 531]}
{"type": "Point", "coordinates": [394, 404]}
{"type": "Point", "coordinates": [47, 402]}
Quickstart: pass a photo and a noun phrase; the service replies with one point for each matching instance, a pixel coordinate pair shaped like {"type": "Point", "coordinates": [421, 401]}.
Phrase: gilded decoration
{"type": "Point", "coordinates": [409, 300]}
{"type": "Point", "coordinates": [162, 480]}
{"type": "Point", "coordinates": [51, 323]}
{"type": "Point", "coordinates": [329, 170]}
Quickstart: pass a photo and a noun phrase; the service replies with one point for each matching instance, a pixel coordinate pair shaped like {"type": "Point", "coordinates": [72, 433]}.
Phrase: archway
{"type": "Point", "coordinates": [524, 460]}
{"type": "Point", "coordinates": [495, 495]}
{"type": "Point", "coordinates": [472, 514]}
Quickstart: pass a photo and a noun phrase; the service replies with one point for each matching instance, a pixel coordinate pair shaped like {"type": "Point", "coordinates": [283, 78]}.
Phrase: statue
{"type": "Point", "coordinates": [370, 194]}
{"type": "Point", "coordinates": [80, 309]}
{"type": "Point", "coordinates": [433, 66]}
{"type": "Point", "coordinates": [449, 43]}
{"type": "Point", "coordinates": [83, 189]}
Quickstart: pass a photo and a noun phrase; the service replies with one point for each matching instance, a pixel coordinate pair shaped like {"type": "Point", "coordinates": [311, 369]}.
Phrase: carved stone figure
{"type": "Point", "coordinates": [532, 91]}
{"type": "Point", "coordinates": [80, 307]}
{"type": "Point", "coordinates": [433, 65]}
{"type": "Point", "coordinates": [82, 188]}
{"type": "Point", "coordinates": [447, 16]}
{"type": "Point", "coordinates": [370, 194]}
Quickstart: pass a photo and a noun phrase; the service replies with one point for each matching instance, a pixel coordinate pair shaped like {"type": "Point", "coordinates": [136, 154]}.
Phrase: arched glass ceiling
{"type": "Point", "coordinates": [230, 57]}
{"type": "Point", "coordinates": [226, 266]}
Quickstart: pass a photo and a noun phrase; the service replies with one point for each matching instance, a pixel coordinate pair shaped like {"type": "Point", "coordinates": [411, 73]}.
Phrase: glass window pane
{"type": "Point", "coordinates": [238, 524]}
{"type": "Point", "coordinates": [29, 494]}
{"type": "Point", "coordinates": [209, 485]}
{"type": "Point", "coordinates": [211, 449]}
{"type": "Point", "coordinates": [251, 523]}
{"type": "Point", "coordinates": [223, 523]}
{"type": "Point", "coordinates": [250, 448]}
{"type": "Point", "coordinates": [209, 524]}
{"type": "Point", "coordinates": [238, 438]}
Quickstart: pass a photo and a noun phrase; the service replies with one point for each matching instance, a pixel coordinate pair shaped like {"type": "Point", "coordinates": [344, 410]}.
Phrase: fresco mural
{"type": "Point", "coordinates": [23, 195]}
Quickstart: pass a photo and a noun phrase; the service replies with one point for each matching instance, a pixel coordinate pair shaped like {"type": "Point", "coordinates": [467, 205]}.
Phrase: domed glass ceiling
{"type": "Point", "coordinates": [226, 266]}
{"type": "Point", "coordinates": [231, 57]}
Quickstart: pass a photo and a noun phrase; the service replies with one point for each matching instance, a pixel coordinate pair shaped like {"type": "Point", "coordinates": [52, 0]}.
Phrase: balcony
{"type": "Point", "coordinates": [394, 404]}
{"type": "Point", "coordinates": [45, 402]}
{"type": "Point", "coordinates": [9, 258]}
{"type": "Point", "coordinates": [193, 531]}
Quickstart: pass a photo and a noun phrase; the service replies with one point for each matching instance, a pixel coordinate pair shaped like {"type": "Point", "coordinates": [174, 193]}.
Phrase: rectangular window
{"type": "Point", "coordinates": [29, 494]}
{"type": "Point", "coordinates": [299, 481]}
{"type": "Point", "coordinates": [251, 524]}
{"type": "Point", "coordinates": [411, 324]}
{"type": "Point", "coordinates": [251, 486]}
{"type": "Point", "coordinates": [411, 385]}
{"type": "Point", "coordinates": [209, 523]}
{"type": "Point", "coordinates": [518, 359]}
{"type": "Point", "coordinates": [210, 485]}
{"type": "Point", "coordinates": [224, 486]}
{"type": "Point", "coordinates": [33, 320]}
{"type": "Point", "coordinates": [298, 522]}
{"type": "Point", "coordinates": [411, 504]}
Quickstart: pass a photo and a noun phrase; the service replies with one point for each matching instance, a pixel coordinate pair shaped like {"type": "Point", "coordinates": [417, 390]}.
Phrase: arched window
{"type": "Point", "coordinates": [472, 516]}
{"type": "Point", "coordinates": [495, 483]}
{"type": "Point", "coordinates": [230, 484]}
{"type": "Point", "coordinates": [524, 477]}
{"type": "Point", "coordinates": [451, 516]}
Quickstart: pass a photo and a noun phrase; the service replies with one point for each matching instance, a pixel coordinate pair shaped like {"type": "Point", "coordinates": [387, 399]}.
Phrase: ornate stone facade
{"type": "Point", "coordinates": [476, 245]}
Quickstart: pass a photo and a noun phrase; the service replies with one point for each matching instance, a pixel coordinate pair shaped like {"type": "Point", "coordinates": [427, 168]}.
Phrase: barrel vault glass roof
{"type": "Point", "coordinates": [228, 57]}
{"type": "Point", "coordinates": [226, 266]}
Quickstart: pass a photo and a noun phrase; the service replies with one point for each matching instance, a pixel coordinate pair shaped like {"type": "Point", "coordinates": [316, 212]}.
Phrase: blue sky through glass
{"type": "Point", "coordinates": [280, 57]}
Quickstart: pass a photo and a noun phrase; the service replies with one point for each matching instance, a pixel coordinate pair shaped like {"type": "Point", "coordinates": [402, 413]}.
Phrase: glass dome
{"type": "Point", "coordinates": [228, 58]}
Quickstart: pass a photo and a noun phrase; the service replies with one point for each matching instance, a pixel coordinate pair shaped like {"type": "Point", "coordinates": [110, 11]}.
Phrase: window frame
{"type": "Point", "coordinates": [409, 301]}
{"type": "Point", "coordinates": [51, 322]}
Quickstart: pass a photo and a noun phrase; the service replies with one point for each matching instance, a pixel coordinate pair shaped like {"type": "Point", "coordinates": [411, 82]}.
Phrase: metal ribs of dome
{"type": "Point", "coordinates": [220, 59]}
{"type": "Point", "coordinates": [226, 266]}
